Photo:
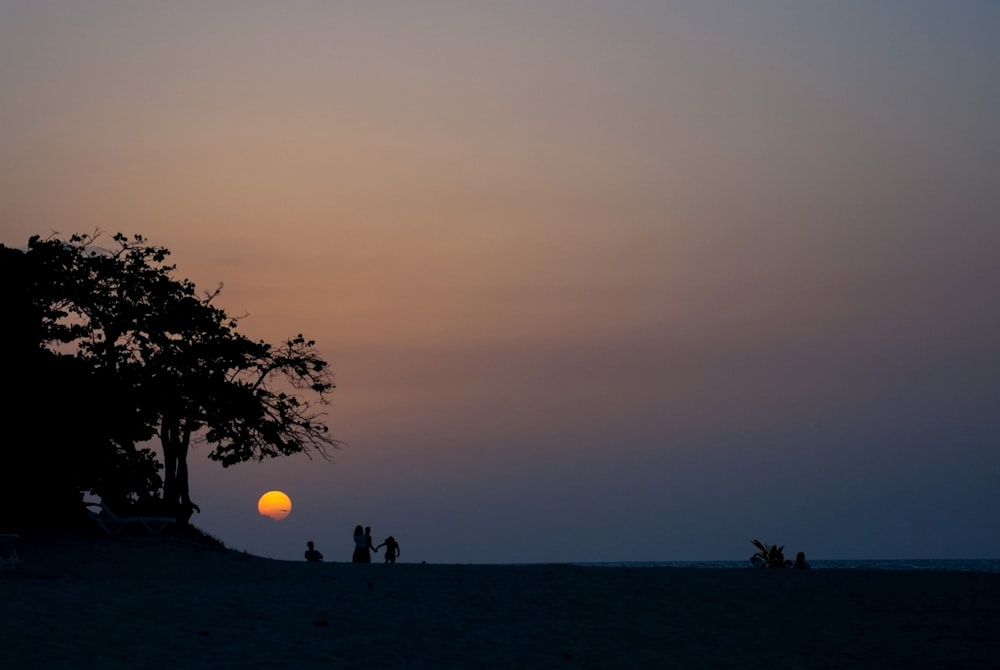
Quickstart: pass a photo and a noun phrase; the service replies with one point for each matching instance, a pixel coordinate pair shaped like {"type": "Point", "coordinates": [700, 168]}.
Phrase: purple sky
{"type": "Point", "coordinates": [598, 281]}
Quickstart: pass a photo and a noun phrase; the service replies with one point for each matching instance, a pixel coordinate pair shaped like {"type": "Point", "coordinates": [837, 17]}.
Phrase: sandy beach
{"type": "Point", "coordinates": [88, 601]}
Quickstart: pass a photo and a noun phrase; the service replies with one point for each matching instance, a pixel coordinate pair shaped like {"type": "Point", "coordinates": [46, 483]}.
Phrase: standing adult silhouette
{"type": "Point", "coordinates": [369, 546]}
{"type": "Point", "coordinates": [361, 554]}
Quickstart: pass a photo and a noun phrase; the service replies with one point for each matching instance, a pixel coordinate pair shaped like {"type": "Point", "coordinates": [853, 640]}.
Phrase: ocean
{"type": "Point", "coordinates": [965, 565]}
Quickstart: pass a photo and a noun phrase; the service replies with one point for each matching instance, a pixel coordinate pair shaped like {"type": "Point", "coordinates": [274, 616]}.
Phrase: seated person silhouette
{"type": "Point", "coordinates": [312, 555]}
{"type": "Point", "coordinates": [391, 549]}
{"type": "Point", "coordinates": [800, 561]}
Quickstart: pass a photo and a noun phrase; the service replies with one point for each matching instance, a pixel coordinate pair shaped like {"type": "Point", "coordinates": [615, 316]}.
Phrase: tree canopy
{"type": "Point", "coordinates": [118, 354]}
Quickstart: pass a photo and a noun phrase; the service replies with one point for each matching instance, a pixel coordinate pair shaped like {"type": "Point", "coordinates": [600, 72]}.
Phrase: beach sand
{"type": "Point", "coordinates": [87, 601]}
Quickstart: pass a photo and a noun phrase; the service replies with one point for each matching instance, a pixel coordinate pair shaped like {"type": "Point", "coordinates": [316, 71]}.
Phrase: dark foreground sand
{"type": "Point", "coordinates": [173, 602]}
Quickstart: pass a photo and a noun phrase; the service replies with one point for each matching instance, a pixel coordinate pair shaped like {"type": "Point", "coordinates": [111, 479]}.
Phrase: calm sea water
{"type": "Point", "coordinates": [967, 565]}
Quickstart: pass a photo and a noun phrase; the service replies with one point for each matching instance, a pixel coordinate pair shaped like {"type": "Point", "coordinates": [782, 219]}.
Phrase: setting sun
{"type": "Point", "coordinates": [274, 504]}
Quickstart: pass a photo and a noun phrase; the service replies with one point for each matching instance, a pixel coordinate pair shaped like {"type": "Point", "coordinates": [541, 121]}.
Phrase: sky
{"type": "Point", "coordinates": [629, 281]}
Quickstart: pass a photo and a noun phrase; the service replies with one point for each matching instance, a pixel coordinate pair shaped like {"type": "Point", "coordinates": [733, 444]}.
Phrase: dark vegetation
{"type": "Point", "coordinates": [115, 368]}
{"type": "Point", "coordinates": [772, 555]}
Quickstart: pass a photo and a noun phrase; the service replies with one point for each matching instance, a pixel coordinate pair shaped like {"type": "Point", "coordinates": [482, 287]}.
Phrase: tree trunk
{"type": "Point", "coordinates": [175, 441]}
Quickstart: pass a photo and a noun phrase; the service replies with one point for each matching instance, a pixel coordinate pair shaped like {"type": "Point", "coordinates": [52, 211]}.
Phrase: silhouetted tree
{"type": "Point", "coordinates": [57, 404]}
{"type": "Point", "coordinates": [176, 366]}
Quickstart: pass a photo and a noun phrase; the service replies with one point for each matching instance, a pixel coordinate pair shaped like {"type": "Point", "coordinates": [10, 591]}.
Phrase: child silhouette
{"type": "Point", "coordinates": [391, 549]}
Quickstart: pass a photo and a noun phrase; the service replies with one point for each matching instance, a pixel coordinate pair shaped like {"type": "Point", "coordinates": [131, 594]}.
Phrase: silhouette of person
{"type": "Point", "coordinates": [369, 547]}
{"type": "Point", "coordinates": [361, 540]}
{"type": "Point", "coordinates": [800, 561]}
{"type": "Point", "coordinates": [391, 549]}
{"type": "Point", "coordinates": [311, 554]}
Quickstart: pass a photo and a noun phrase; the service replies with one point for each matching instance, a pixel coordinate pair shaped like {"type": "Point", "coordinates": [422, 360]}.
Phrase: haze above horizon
{"type": "Point", "coordinates": [599, 282]}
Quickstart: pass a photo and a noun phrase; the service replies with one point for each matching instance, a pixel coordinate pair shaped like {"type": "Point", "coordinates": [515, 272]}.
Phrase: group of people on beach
{"type": "Point", "coordinates": [363, 547]}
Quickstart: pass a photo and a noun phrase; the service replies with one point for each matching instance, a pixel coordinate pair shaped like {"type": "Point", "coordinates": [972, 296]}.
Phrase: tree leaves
{"type": "Point", "coordinates": [190, 375]}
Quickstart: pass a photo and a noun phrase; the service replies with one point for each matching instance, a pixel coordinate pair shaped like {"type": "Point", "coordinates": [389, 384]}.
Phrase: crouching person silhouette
{"type": "Point", "coordinates": [391, 549]}
{"type": "Point", "coordinates": [312, 554]}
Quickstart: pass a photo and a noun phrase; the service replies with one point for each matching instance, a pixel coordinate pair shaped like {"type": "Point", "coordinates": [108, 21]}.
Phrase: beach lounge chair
{"type": "Point", "coordinates": [112, 524]}
{"type": "Point", "coordinates": [8, 551]}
